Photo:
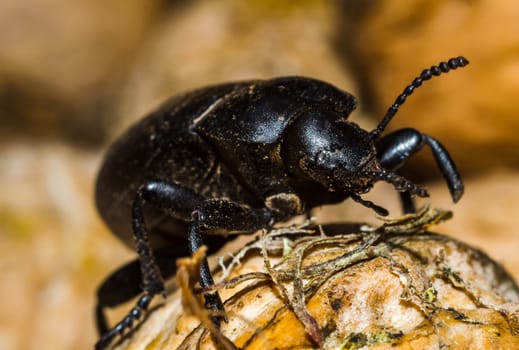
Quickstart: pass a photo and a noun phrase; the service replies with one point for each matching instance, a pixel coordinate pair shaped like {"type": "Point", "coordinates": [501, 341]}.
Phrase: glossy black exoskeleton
{"type": "Point", "coordinates": [234, 158]}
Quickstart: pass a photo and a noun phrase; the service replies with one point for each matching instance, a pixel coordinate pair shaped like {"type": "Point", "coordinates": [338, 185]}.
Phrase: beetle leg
{"type": "Point", "coordinates": [125, 283]}
{"type": "Point", "coordinates": [395, 148]}
{"type": "Point", "coordinates": [216, 216]}
{"type": "Point", "coordinates": [135, 314]}
{"type": "Point", "coordinates": [176, 201]}
{"type": "Point", "coordinates": [221, 217]}
{"type": "Point", "coordinates": [406, 199]}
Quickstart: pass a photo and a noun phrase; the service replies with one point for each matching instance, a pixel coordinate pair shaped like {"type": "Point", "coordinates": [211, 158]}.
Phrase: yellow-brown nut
{"type": "Point", "coordinates": [397, 286]}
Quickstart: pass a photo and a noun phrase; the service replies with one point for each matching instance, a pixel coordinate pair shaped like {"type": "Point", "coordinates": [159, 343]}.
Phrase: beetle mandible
{"type": "Point", "coordinates": [237, 157]}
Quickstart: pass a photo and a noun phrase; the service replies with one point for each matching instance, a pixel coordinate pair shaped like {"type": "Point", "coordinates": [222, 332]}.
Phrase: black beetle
{"type": "Point", "coordinates": [237, 157]}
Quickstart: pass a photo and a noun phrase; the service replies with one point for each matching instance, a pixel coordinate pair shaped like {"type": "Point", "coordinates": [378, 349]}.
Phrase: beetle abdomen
{"type": "Point", "coordinates": [221, 142]}
{"type": "Point", "coordinates": [162, 146]}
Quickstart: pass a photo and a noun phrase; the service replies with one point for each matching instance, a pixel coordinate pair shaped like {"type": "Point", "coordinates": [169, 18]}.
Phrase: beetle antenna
{"type": "Point", "coordinates": [442, 67]}
{"type": "Point", "coordinates": [400, 183]}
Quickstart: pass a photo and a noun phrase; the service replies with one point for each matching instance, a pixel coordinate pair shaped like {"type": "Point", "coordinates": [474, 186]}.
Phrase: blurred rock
{"type": "Point", "coordinates": [472, 111]}
{"type": "Point", "coordinates": [60, 60]}
{"type": "Point", "coordinates": [54, 250]}
{"type": "Point", "coordinates": [220, 41]}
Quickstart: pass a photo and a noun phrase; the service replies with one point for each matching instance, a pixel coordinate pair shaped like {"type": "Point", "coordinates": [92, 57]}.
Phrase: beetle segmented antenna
{"type": "Point", "coordinates": [400, 183]}
{"type": "Point", "coordinates": [442, 67]}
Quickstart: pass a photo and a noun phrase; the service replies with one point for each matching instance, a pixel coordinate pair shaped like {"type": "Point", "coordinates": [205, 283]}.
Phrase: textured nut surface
{"type": "Point", "coordinates": [395, 287]}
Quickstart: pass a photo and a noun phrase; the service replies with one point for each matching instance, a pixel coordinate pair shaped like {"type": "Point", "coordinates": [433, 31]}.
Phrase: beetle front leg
{"type": "Point", "coordinates": [406, 199]}
{"type": "Point", "coordinates": [214, 217]}
{"type": "Point", "coordinates": [395, 148]}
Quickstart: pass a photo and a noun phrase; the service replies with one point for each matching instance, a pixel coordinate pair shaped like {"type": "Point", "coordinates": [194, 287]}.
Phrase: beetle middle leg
{"type": "Point", "coordinates": [214, 217]}
{"type": "Point", "coordinates": [177, 202]}
{"type": "Point", "coordinates": [395, 148]}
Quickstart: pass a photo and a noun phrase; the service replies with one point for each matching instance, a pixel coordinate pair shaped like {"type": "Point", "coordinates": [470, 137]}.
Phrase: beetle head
{"type": "Point", "coordinates": [339, 155]}
{"type": "Point", "coordinates": [330, 150]}
{"type": "Point", "coordinates": [323, 146]}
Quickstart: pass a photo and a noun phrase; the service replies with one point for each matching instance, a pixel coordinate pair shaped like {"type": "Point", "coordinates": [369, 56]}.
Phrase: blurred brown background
{"type": "Point", "coordinates": [73, 74]}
